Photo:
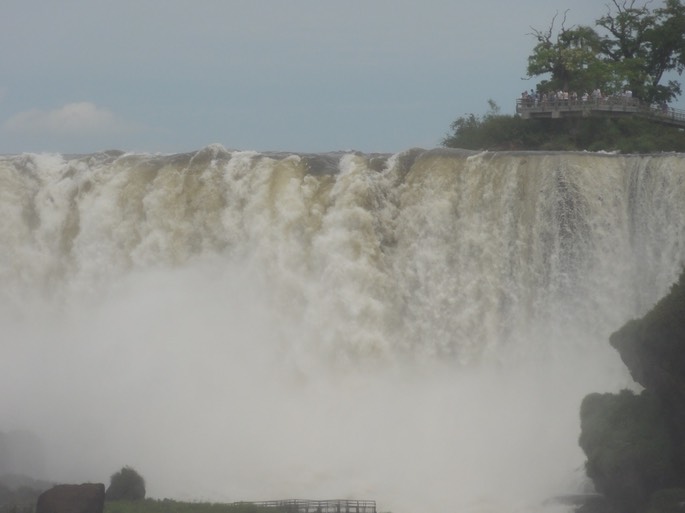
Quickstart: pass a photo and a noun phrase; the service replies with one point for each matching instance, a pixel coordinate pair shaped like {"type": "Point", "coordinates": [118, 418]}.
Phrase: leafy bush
{"type": "Point", "coordinates": [502, 132]}
{"type": "Point", "coordinates": [126, 485]}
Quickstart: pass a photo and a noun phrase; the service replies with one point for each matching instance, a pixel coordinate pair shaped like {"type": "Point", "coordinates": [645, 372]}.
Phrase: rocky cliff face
{"type": "Point", "coordinates": [83, 498]}
{"type": "Point", "coordinates": [653, 349]}
{"type": "Point", "coordinates": [635, 444]}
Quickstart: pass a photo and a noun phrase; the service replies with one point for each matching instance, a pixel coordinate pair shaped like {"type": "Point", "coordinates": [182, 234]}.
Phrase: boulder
{"type": "Point", "coordinates": [83, 498]}
{"type": "Point", "coordinates": [635, 443]}
{"type": "Point", "coordinates": [653, 349]}
{"type": "Point", "coordinates": [629, 448]}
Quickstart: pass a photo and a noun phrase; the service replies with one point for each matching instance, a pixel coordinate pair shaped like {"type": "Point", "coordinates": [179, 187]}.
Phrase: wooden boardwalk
{"type": "Point", "coordinates": [309, 506]}
{"type": "Point", "coordinates": [527, 108]}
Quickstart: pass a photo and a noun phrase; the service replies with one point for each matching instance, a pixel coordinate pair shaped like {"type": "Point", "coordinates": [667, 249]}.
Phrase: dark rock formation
{"type": "Point", "coordinates": [653, 348]}
{"type": "Point", "coordinates": [629, 448]}
{"type": "Point", "coordinates": [635, 444]}
{"type": "Point", "coordinates": [83, 498]}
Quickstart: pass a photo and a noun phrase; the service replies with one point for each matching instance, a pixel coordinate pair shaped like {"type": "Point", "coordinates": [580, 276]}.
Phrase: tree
{"type": "Point", "coordinates": [126, 484]}
{"type": "Point", "coordinates": [571, 58]}
{"type": "Point", "coordinates": [492, 131]}
{"type": "Point", "coordinates": [638, 47]}
{"type": "Point", "coordinates": [644, 45]}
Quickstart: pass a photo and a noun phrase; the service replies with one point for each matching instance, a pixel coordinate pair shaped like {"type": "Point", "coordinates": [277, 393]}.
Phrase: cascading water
{"type": "Point", "coordinates": [417, 329]}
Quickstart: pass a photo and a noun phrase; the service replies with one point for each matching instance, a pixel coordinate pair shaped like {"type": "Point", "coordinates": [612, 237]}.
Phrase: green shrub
{"type": "Point", "coordinates": [126, 485]}
{"type": "Point", "coordinates": [494, 131]}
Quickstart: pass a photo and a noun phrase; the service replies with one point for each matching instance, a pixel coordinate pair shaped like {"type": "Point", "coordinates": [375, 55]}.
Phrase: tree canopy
{"type": "Point", "coordinates": [127, 484]}
{"type": "Point", "coordinates": [632, 47]}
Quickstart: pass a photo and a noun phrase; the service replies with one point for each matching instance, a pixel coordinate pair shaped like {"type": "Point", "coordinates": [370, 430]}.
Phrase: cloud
{"type": "Point", "coordinates": [80, 118]}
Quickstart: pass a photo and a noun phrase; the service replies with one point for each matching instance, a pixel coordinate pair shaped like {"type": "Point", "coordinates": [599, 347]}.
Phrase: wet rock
{"type": "Point", "coordinates": [83, 498]}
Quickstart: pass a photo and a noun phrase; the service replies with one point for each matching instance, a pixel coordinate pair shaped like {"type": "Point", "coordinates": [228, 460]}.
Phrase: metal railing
{"type": "Point", "coordinates": [610, 106]}
{"type": "Point", "coordinates": [310, 506]}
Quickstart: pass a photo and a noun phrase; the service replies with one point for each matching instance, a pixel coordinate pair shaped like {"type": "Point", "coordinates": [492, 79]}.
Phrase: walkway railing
{"type": "Point", "coordinates": [607, 107]}
{"type": "Point", "coordinates": [309, 506]}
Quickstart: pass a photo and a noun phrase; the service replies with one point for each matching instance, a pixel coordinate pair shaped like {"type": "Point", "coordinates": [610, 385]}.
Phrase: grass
{"type": "Point", "coordinates": [172, 506]}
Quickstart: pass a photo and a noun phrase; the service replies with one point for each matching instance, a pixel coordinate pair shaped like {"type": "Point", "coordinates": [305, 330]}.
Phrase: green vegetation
{"type": "Point", "coordinates": [127, 485]}
{"type": "Point", "coordinates": [634, 49]}
{"type": "Point", "coordinates": [631, 48]}
{"type": "Point", "coordinates": [171, 506]}
{"type": "Point", "coordinates": [495, 131]}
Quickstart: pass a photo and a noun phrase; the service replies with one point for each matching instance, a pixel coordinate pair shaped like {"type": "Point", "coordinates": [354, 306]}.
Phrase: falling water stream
{"type": "Point", "coordinates": [418, 328]}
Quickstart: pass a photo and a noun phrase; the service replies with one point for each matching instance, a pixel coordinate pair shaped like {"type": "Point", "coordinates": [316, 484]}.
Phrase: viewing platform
{"type": "Point", "coordinates": [529, 108]}
{"type": "Point", "coordinates": [309, 506]}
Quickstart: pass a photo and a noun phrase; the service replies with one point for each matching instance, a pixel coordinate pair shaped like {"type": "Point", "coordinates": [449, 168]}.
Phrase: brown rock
{"type": "Point", "coordinates": [83, 498]}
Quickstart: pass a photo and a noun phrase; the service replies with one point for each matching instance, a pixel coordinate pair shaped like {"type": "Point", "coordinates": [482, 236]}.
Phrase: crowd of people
{"type": "Point", "coordinates": [534, 98]}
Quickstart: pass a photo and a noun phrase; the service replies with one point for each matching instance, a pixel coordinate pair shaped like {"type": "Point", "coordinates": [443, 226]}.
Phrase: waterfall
{"type": "Point", "coordinates": [418, 328]}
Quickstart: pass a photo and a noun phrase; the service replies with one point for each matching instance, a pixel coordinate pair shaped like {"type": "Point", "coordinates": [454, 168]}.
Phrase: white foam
{"type": "Point", "coordinates": [238, 329]}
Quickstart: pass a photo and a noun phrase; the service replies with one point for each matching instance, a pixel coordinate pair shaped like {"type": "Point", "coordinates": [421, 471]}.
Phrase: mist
{"type": "Point", "coordinates": [345, 335]}
{"type": "Point", "coordinates": [181, 374]}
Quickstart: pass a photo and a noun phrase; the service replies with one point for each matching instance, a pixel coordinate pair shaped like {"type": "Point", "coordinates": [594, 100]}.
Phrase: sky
{"type": "Point", "coordinates": [168, 76]}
